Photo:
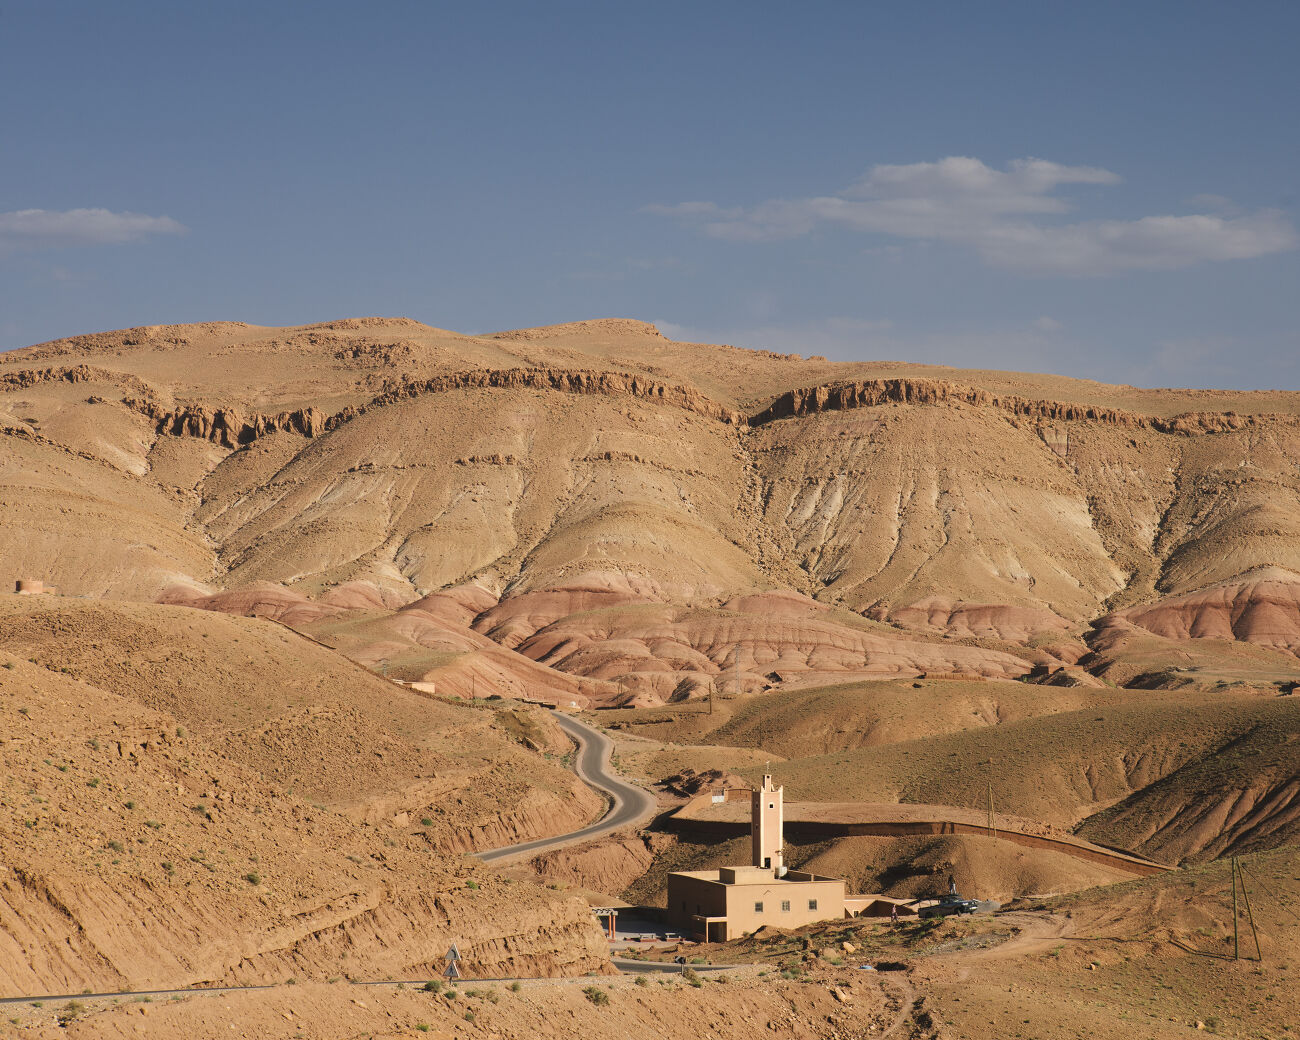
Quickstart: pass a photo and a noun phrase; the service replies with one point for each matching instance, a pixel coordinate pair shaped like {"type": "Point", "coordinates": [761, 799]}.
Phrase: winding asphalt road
{"type": "Point", "coordinates": [628, 804]}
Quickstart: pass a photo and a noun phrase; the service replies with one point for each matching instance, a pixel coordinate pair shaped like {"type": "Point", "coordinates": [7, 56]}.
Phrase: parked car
{"type": "Point", "coordinates": [949, 904]}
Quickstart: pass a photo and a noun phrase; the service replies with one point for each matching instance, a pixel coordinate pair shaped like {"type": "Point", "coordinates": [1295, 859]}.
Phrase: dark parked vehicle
{"type": "Point", "coordinates": [949, 905]}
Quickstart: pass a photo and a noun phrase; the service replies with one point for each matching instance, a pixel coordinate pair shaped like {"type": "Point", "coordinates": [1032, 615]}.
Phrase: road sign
{"type": "Point", "coordinates": [453, 954]}
{"type": "Point", "coordinates": [452, 972]}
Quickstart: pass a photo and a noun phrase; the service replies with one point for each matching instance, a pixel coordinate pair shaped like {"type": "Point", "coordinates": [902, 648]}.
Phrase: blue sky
{"type": "Point", "coordinates": [1105, 190]}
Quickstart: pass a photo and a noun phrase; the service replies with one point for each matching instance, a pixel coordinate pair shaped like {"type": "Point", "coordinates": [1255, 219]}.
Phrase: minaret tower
{"type": "Point", "coordinates": [766, 825]}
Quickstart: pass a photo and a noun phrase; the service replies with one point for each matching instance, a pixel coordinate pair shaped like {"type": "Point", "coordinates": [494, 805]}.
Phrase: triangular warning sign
{"type": "Point", "coordinates": [453, 954]}
{"type": "Point", "coordinates": [452, 971]}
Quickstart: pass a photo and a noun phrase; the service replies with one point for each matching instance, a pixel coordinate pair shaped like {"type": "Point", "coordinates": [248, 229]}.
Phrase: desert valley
{"type": "Point", "coordinates": [305, 612]}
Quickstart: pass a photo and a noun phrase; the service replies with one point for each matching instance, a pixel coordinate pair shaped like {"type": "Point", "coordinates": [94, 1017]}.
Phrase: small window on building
{"type": "Point", "coordinates": [812, 904]}
{"type": "Point", "coordinates": [767, 861]}
{"type": "Point", "coordinates": [785, 906]}
{"type": "Point", "coordinates": [758, 908]}
{"type": "Point", "coordinates": [771, 805]}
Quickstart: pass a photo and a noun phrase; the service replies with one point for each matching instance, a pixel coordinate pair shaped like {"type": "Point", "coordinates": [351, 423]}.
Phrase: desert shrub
{"type": "Point", "coordinates": [116, 846]}
{"type": "Point", "coordinates": [425, 821]}
{"type": "Point", "coordinates": [515, 987]}
{"type": "Point", "coordinates": [130, 805]}
{"type": "Point", "coordinates": [596, 995]}
{"type": "Point", "coordinates": [433, 986]}
{"type": "Point", "coordinates": [469, 1016]}
{"type": "Point", "coordinates": [472, 884]}
{"type": "Point", "coordinates": [642, 981]}
{"type": "Point", "coordinates": [253, 879]}
{"type": "Point", "coordinates": [167, 866]}
{"type": "Point", "coordinates": [691, 976]}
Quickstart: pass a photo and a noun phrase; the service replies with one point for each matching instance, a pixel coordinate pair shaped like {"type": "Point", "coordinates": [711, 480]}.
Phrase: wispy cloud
{"type": "Point", "coordinates": [1006, 216]}
{"type": "Point", "coordinates": [53, 229]}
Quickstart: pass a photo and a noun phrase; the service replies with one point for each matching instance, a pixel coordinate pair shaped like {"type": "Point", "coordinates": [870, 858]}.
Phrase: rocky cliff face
{"type": "Point", "coordinates": [873, 393]}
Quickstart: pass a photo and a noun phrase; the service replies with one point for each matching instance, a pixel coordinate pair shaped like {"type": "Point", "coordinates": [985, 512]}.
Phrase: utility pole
{"type": "Point", "coordinates": [1250, 914]}
{"type": "Point", "coordinates": [1235, 951]}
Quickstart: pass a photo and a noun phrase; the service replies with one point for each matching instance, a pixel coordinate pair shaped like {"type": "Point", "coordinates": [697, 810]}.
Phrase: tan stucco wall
{"type": "Point", "coordinates": [688, 896]}
{"type": "Point", "coordinates": [742, 917]}
{"type": "Point", "coordinates": [736, 902]}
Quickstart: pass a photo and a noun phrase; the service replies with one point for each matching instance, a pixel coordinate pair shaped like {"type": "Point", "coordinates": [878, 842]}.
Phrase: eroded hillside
{"type": "Point", "coordinates": [404, 460]}
{"type": "Point", "coordinates": [190, 798]}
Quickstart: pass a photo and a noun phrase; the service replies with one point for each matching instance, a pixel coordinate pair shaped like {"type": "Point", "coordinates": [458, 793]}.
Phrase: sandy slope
{"type": "Point", "coordinates": [190, 797]}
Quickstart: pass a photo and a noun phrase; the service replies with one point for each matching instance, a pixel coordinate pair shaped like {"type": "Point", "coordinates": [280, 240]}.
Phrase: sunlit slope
{"type": "Point", "coordinates": [1059, 768]}
{"type": "Point", "coordinates": [305, 719]}
{"type": "Point", "coordinates": [999, 507]}
{"type": "Point", "coordinates": [495, 484]}
{"type": "Point", "coordinates": [139, 854]}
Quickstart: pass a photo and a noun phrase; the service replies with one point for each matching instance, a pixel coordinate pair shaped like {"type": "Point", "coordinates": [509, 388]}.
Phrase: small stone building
{"type": "Point", "coordinates": [722, 904]}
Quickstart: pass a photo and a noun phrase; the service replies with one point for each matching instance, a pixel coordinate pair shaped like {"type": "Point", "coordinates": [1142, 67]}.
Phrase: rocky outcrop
{"type": "Point", "coordinates": [1261, 608]}
{"type": "Point", "coordinates": [608, 865]}
{"type": "Point", "coordinates": [872, 393]}
{"type": "Point", "coordinates": [568, 381]}
{"type": "Point", "coordinates": [27, 377]}
{"type": "Point", "coordinates": [592, 327]}
{"type": "Point", "coordinates": [232, 428]}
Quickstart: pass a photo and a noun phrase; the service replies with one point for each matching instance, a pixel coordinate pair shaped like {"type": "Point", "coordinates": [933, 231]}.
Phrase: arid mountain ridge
{"type": "Point", "coordinates": [600, 465]}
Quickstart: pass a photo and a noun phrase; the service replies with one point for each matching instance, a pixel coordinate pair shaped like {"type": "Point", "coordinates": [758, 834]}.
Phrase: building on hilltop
{"type": "Point", "coordinates": [722, 904]}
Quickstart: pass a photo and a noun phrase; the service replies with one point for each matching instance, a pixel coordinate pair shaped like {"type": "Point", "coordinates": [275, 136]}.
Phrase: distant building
{"type": "Point", "coordinates": [31, 587]}
{"type": "Point", "coordinates": [722, 904]}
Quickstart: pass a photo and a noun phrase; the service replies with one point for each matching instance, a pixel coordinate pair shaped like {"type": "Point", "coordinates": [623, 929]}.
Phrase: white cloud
{"type": "Point", "coordinates": [1005, 216]}
{"type": "Point", "coordinates": [51, 229]}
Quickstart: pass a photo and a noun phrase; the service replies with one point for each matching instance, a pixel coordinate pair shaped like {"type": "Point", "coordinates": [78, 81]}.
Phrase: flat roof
{"type": "Point", "coordinates": [768, 879]}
